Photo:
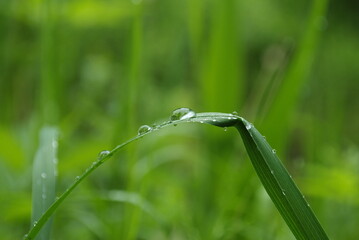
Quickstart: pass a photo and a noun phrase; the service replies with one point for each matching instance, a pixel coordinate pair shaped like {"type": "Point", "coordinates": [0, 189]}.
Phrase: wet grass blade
{"type": "Point", "coordinates": [279, 185]}
{"type": "Point", "coordinates": [44, 178]}
{"type": "Point", "coordinates": [276, 180]}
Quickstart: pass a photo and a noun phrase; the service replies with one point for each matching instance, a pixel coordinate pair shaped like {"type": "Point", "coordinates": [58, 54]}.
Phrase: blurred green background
{"type": "Point", "coordinates": [99, 69]}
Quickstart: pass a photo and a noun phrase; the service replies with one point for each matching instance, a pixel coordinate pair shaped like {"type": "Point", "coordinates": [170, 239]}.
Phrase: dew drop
{"type": "Point", "coordinates": [182, 114]}
{"type": "Point", "coordinates": [43, 175]}
{"type": "Point", "coordinates": [43, 196]}
{"type": "Point", "coordinates": [54, 143]}
{"type": "Point", "coordinates": [225, 129]}
{"type": "Point", "coordinates": [272, 172]}
{"type": "Point", "coordinates": [144, 129]}
{"type": "Point", "coordinates": [25, 236]}
{"type": "Point", "coordinates": [274, 151]}
{"type": "Point", "coordinates": [283, 192]}
{"type": "Point", "coordinates": [77, 178]}
{"type": "Point", "coordinates": [235, 113]}
{"type": "Point", "coordinates": [35, 223]}
{"type": "Point", "coordinates": [248, 125]}
{"type": "Point", "coordinates": [103, 154]}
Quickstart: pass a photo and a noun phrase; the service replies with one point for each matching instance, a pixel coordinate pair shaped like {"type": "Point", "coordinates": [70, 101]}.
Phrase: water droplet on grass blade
{"type": "Point", "coordinates": [182, 114]}
{"type": "Point", "coordinates": [54, 143]}
{"type": "Point", "coordinates": [144, 129]}
{"type": "Point", "coordinates": [248, 125]}
{"type": "Point", "coordinates": [103, 154]}
{"type": "Point", "coordinates": [77, 178]}
{"type": "Point", "coordinates": [235, 113]}
{"type": "Point", "coordinates": [274, 151]}
{"type": "Point", "coordinates": [43, 175]}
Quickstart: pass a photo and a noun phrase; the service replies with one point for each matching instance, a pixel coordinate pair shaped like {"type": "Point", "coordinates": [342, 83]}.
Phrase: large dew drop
{"type": "Point", "coordinates": [144, 129]}
{"type": "Point", "coordinates": [182, 114]}
{"type": "Point", "coordinates": [103, 154]}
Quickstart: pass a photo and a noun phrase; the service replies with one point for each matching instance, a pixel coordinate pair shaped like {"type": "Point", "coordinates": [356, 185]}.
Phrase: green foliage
{"type": "Point", "coordinates": [44, 178]}
{"type": "Point", "coordinates": [279, 184]}
{"type": "Point", "coordinates": [96, 70]}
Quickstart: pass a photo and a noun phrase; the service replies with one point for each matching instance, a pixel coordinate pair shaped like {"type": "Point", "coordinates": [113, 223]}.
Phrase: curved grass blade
{"type": "Point", "coordinates": [44, 178]}
{"type": "Point", "coordinates": [280, 186]}
{"type": "Point", "coordinates": [276, 180]}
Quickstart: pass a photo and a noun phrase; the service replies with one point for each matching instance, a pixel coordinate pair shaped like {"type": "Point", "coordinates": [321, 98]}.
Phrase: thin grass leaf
{"type": "Point", "coordinates": [286, 99]}
{"type": "Point", "coordinates": [273, 175]}
{"type": "Point", "coordinates": [44, 178]}
{"type": "Point", "coordinates": [279, 185]}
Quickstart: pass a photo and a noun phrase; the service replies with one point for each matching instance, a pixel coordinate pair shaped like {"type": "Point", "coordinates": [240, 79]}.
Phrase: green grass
{"type": "Point", "coordinates": [96, 70]}
{"type": "Point", "coordinates": [284, 193]}
{"type": "Point", "coordinates": [44, 178]}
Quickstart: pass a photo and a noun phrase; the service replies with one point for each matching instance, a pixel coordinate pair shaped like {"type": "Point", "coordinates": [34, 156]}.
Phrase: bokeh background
{"type": "Point", "coordinates": [99, 69]}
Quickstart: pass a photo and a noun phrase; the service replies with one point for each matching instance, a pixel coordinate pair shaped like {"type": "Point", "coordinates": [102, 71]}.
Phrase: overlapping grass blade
{"type": "Point", "coordinates": [278, 183]}
{"type": "Point", "coordinates": [44, 178]}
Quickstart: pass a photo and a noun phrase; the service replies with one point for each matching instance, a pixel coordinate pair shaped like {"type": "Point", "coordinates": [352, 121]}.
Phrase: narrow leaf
{"type": "Point", "coordinates": [44, 178]}
{"type": "Point", "coordinates": [279, 185]}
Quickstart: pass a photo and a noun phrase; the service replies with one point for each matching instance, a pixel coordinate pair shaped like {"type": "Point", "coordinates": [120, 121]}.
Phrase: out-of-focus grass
{"type": "Point", "coordinates": [189, 53]}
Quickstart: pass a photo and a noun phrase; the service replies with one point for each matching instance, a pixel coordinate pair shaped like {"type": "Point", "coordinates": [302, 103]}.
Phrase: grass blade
{"type": "Point", "coordinates": [273, 175]}
{"type": "Point", "coordinates": [44, 178]}
{"type": "Point", "coordinates": [279, 185]}
{"type": "Point", "coordinates": [286, 99]}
